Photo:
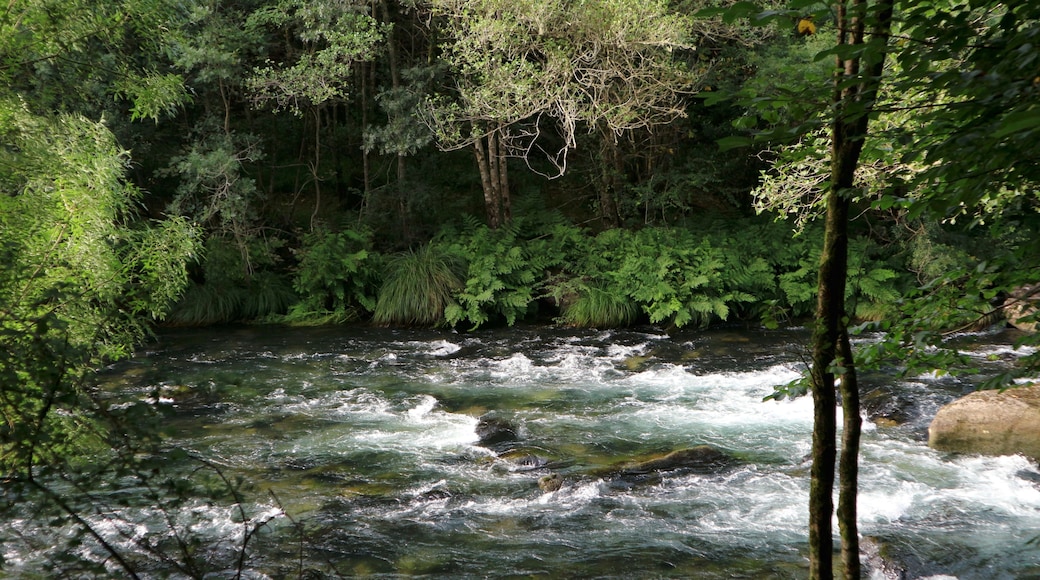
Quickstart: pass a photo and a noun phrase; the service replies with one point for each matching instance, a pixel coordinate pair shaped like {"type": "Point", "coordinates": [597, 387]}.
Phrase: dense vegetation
{"type": "Point", "coordinates": [463, 164]}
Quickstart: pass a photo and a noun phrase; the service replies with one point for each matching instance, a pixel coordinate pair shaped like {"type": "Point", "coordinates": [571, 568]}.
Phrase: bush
{"type": "Point", "coordinates": [239, 282]}
{"type": "Point", "coordinates": [337, 277]}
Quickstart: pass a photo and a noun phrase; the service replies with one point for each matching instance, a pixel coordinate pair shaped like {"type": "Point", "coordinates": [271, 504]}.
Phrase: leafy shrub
{"type": "Point", "coordinates": [337, 276]}
{"type": "Point", "coordinates": [238, 282]}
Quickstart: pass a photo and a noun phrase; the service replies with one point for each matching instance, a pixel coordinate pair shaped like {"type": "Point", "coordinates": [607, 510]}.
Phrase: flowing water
{"type": "Point", "coordinates": [362, 453]}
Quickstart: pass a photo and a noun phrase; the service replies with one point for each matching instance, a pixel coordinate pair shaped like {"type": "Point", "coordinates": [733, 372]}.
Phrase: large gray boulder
{"type": "Point", "coordinates": [990, 423]}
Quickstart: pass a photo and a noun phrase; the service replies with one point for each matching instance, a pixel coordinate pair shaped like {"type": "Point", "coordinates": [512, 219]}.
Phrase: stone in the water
{"type": "Point", "coordinates": [494, 430]}
{"type": "Point", "coordinates": [703, 458]}
{"type": "Point", "coordinates": [522, 459]}
{"type": "Point", "coordinates": [550, 483]}
{"type": "Point", "coordinates": [990, 423]}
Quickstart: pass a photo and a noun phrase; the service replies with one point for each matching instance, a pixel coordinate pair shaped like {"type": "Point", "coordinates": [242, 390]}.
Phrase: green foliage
{"type": "Point", "coordinates": [404, 132]}
{"type": "Point", "coordinates": [330, 37]}
{"type": "Point", "coordinates": [84, 56]}
{"type": "Point", "coordinates": [420, 286]}
{"type": "Point", "coordinates": [239, 282]}
{"type": "Point", "coordinates": [337, 276]}
{"type": "Point", "coordinates": [533, 64]}
{"type": "Point", "coordinates": [215, 189]}
{"type": "Point", "coordinates": [78, 285]}
{"type": "Point", "coordinates": [597, 308]}
{"type": "Point", "coordinates": [672, 275]}
{"type": "Point", "coordinates": [503, 276]}
{"type": "Point", "coordinates": [977, 69]}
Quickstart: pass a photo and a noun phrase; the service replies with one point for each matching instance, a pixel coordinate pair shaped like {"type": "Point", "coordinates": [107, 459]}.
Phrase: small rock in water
{"type": "Point", "coordinates": [550, 483]}
{"type": "Point", "coordinates": [703, 458]}
{"type": "Point", "coordinates": [493, 430]}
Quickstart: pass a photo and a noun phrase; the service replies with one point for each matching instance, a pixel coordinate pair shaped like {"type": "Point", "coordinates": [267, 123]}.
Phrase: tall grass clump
{"type": "Point", "coordinates": [418, 286]}
{"type": "Point", "coordinates": [597, 308]}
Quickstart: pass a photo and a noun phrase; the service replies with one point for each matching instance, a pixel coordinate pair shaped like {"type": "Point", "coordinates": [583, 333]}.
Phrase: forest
{"type": "Point", "coordinates": [470, 164]}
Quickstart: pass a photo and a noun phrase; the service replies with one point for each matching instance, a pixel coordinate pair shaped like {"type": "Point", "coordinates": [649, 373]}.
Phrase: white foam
{"type": "Point", "coordinates": [423, 408]}
{"type": "Point", "coordinates": [435, 348]}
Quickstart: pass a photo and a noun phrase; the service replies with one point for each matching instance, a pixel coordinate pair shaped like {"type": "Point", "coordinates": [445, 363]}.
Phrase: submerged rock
{"type": "Point", "coordinates": [493, 430]}
{"type": "Point", "coordinates": [703, 459]}
{"type": "Point", "coordinates": [550, 483]}
{"type": "Point", "coordinates": [990, 423]}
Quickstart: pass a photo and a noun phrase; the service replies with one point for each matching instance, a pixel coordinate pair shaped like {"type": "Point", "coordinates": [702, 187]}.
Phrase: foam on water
{"type": "Point", "coordinates": [395, 421]}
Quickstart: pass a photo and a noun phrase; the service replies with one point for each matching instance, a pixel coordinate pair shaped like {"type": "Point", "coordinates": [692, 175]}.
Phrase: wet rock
{"type": "Point", "coordinates": [1030, 476]}
{"type": "Point", "coordinates": [990, 423]}
{"type": "Point", "coordinates": [493, 430]}
{"type": "Point", "coordinates": [636, 363]}
{"type": "Point", "coordinates": [629, 481]}
{"type": "Point", "coordinates": [523, 460]}
{"type": "Point", "coordinates": [878, 557]}
{"type": "Point", "coordinates": [1022, 306]}
{"type": "Point", "coordinates": [887, 409]}
{"type": "Point", "coordinates": [703, 459]}
{"type": "Point", "coordinates": [550, 483]}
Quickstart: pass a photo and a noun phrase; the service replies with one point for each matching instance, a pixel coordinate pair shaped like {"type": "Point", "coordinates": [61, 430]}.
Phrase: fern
{"type": "Point", "coordinates": [503, 277]}
{"type": "Point", "coordinates": [338, 274]}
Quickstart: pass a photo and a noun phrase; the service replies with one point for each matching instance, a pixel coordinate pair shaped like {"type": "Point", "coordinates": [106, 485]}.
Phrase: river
{"type": "Point", "coordinates": [359, 456]}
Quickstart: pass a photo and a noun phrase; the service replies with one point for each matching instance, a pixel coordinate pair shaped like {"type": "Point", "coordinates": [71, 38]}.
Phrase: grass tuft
{"type": "Point", "coordinates": [419, 285]}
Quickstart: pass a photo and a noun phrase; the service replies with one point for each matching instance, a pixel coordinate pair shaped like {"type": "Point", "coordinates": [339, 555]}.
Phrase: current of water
{"type": "Point", "coordinates": [360, 451]}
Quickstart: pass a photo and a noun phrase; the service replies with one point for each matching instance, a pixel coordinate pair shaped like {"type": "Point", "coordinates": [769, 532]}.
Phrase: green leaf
{"type": "Point", "coordinates": [1018, 122]}
{"type": "Point", "coordinates": [729, 143]}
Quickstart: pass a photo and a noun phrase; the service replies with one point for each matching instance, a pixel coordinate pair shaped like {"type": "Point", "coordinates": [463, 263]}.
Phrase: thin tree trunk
{"type": "Point", "coordinates": [496, 176]}
{"type": "Point", "coordinates": [829, 312]}
{"type": "Point", "coordinates": [611, 168]}
{"type": "Point", "coordinates": [503, 179]}
{"type": "Point", "coordinates": [848, 464]}
{"type": "Point", "coordinates": [395, 81]}
{"type": "Point", "coordinates": [832, 352]}
{"type": "Point", "coordinates": [490, 204]}
{"type": "Point", "coordinates": [315, 166]}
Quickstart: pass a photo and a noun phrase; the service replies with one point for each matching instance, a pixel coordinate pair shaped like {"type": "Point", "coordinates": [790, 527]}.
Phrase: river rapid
{"type": "Point", "coordinates": [359, 454]}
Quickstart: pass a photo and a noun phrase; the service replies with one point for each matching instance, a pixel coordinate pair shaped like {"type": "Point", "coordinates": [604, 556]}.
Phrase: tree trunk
{"type": "Point", "coordinates": [830, 306]}
{"type": "Point", "coordinates": [395, 82]}
{"type": "Point", "coordinates": [494, 218]}
{"type": "Point", "coordinates": [611, 169]}
{"type": "Point", "coordinates": [503, 177]}
{"type": "Point", "coordinates": [848, 464]}
{"type": "Point", "coordinates": [855, 92]}
{"type": "Point", "coordinates": [494, 177]}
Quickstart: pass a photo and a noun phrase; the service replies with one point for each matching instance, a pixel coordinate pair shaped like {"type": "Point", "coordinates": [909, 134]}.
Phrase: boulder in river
{"type": "Point", "coordinates": [699, 459]}
{"type": "Point", "coordinates": [990, 423]}
{"type": "Point", "coordinates": [1021, 305]}
{"type": "Point", "coordinates": [493, 430]}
